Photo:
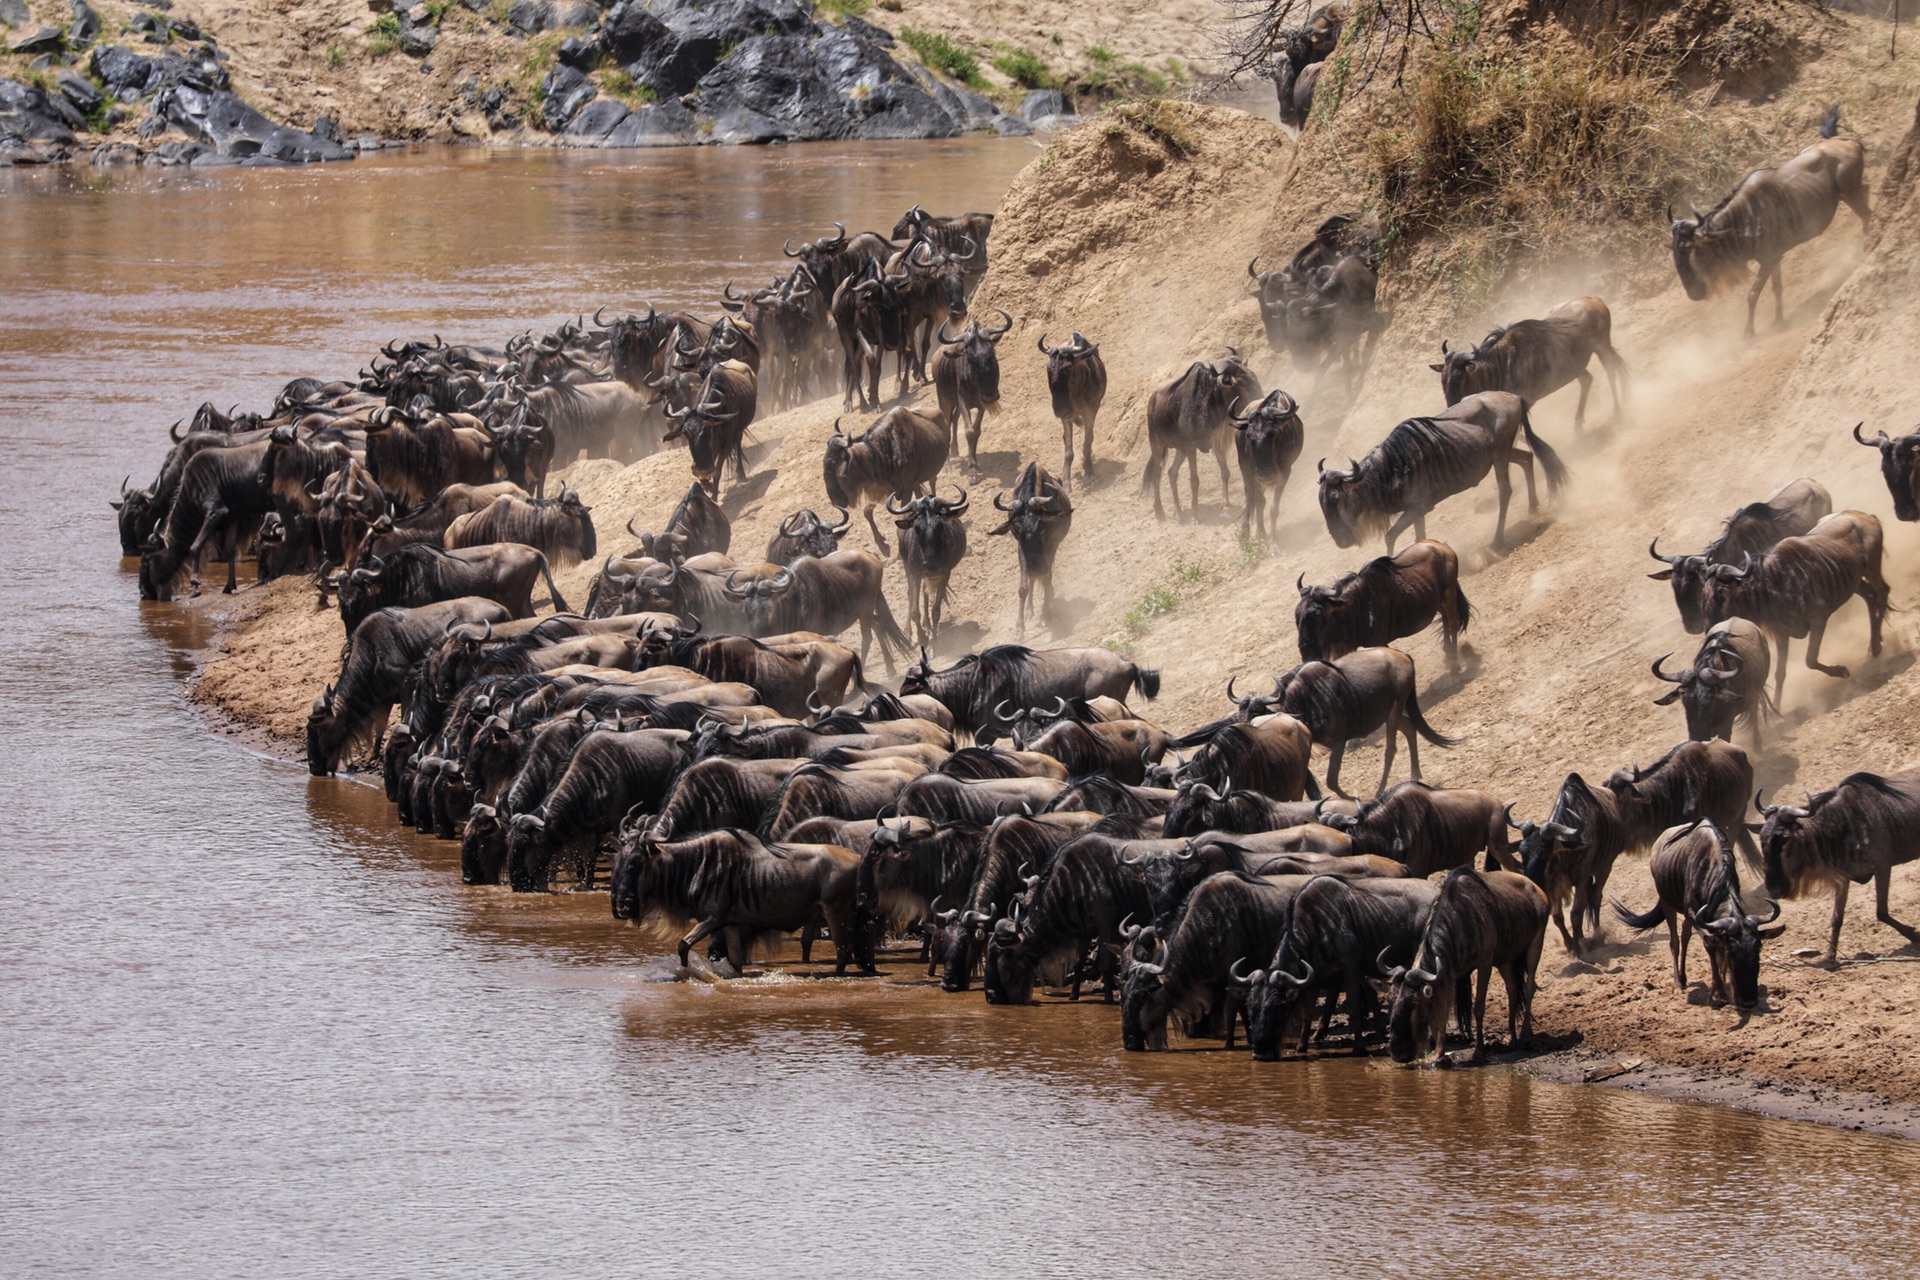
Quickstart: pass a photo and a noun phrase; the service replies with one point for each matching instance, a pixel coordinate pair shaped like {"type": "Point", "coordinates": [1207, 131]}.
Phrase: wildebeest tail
{"type": "Point", "coordinates": [889, 629]}
{"type": "Point", "coordinates": [559, 601]}
{"type": "Point", "coordinates": [1830, 124]}
{"type": "Point", "coordinates": [1645, 920]}
{"type": "Point", "coordinates": [1549, 460]}
{"type": "Point", "coordinates": [1423, 728]}
{"type": "Point", "coordinates": [1147, 681]}
{"type": "Point", "coordinates": [1313, 788]}
{"type": "Point", "coordinates": [860, 676]}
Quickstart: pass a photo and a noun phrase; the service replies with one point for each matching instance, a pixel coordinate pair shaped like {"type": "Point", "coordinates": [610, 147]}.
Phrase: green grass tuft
{"type": "Point", "coordinates": [944, 56]}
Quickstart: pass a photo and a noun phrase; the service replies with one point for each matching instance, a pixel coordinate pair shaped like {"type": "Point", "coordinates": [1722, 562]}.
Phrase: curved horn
{"type": "Point", "coordinates": [1243, 979]}
{"type": "Point", "coordinates": [1006, 324]}
{"type": "Point", "coordinates": [1874, 443]}
{"type": "Point", "coordinates": [1290, 980]}
{"type": "Point", "coordinates": [1653, 549]}
{"type": "Point", "coordinates": [1658, 674]}
{"type": "Point", "coordinates": [1045, 350]}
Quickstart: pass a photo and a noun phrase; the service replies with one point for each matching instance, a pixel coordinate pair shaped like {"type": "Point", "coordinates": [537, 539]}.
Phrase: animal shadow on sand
{"type": "Point", "coordinates": [744, 493]}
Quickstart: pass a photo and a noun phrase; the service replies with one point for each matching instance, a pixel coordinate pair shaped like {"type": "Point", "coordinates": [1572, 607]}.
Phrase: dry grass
{"type": "Point", "coordinates": [1166, 120]}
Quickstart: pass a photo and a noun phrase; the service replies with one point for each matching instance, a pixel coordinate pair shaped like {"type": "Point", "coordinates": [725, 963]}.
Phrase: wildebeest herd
{"type": "Point", "coordinates": [698, 741]}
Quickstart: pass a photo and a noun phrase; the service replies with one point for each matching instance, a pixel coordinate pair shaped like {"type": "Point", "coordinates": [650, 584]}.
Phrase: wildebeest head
{"type": "Point", "coordinates": [483, 846]}
{"type": "Point", "coordinates": [838, 460]}
{"type": "Point", "coordinates": [946, 272]}
{"type": "Point", "coordinates": [1350, 518]}
{"type": "Point", "coordinates": [805, 534]}
{"type": "Point", "coordinates": [1417, 1021]}
{"type": "Point", "coordinates": [1319, 607]}
{"type": "Point", "coordinates": [1273, 289]}
{"type": "Point", "coordinates": [1738, 932]}
{"type": "Point", "coordinates": [1705, 691]}
{"type": "Point", "coordinates": [959, 934]}
{"type": "Point", "coordinates": [1037, 508]}
{"type": "Point", "coordinates": [1459, 370]}
{"type": "Point", "coordinates": [1899, 466]}
{"type": "Point", "coordinates": [976, 345]}
{"type": "Point", "coordinates": [1275, 1003]}
{"type": "Point", "coordinates": [635, 849]}
{"type": "Point", "coordinates": [1698, 258]}
{"type": "Point", "coordinates": [1689, 575]}
{"type": "Point", "coordinates": [1143, 1003]}
{"type": "Point", "coordinates": [1789, 846]}
{"type": "Point", "coordinates": [1196, 807]}
{"type": "Point", "coordinates": [760, 596]}
{"type": "Point", "coordinates": [1007, 977]}
{"type": "Point", "coordinates": [1263, 427]}
{"type": "Point", "coordinates": [1549, 850]}
{"type": "Point", "coordinates": [818, 255]}
{"type": "Point", "coordinates": [928, 515]}
{"type": "Point", "coordinates": [138, 515]}
{"type": "Point", "coordinates": [702, 425]}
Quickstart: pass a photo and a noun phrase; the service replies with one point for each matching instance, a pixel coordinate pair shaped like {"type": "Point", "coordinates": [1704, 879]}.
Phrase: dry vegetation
{"type": "Point", "coordinates": [1136, 229]}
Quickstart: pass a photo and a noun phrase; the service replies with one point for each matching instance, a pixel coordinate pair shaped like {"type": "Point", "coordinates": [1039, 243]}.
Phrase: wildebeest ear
{"type": "Point", "coordinates": [1661, 576]}
{"type": "Point", "coordinates": [1438, 368]}
{"type": "Point", "coordinates": [1773, 931]}
{"type": "Point", "coordinates": [1668, 700]}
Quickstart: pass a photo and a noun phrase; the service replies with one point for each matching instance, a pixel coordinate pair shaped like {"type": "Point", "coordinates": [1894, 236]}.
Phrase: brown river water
{"type": "Point", "coordinates": [249, 1028]}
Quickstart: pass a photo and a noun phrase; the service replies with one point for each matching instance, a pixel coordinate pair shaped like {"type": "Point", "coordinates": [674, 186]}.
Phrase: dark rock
{"type": "Point", "coordinates": [969, 109]}
{"type": "Point", "coordinates": [32, 120]}
{"type": "Point", "coordinates": [580, 15]}
{"type": "Point", "coordinates": [367, 142]}
{"type": "Point", "coordinates": [1011, 127]}
{"type": "Point", "coordinates": [170, 154]}
{"type": "Point", "coordinates": [116, 153]}
{"type": "Point", "coordinates": [642, 45]}
{"type": "Point", "coordinates": [596, 120]}
{"type": "Point", "coordinates": [296, 147]}
{"type": "Point", "coordinates": [214, 117]}
{"type": "Point", "coordinates": [530, 16]}
{"type": "Point", "coordinates": [900, 111]}
{"type": "Point", "coordinates": [185, 28]}
{"type": "Point", "coordinates": [122, 71]}
{"type": "Point", "coordinates": [327, 131]}
{"type": "Point", "coordinates": [68, 114]}
{"type": "Point", "coordinates": [115, 117]}
{"type": "Point", "coordinates": [1044, 102]}
{"type": "Point", "coordinates": [79, 90]}
{"type": "Point", "coordinates": [418, 31]}
{"type": "Point", "coordinates": [867, 31]}
{"type": "Point", "coordinates": [13, 13]}
{"type": "Point", "coordinates": [44, 40]}
{"type": "Point", "coordinates": [565, 92]}
{"type": "Point", "coordinates": [578, 54]}
{"type": "Point", "coordinates": [698, 34]}
{"type": "Point", "coordinates": [48, 61]}
{"type": "Point", "coordinates": [85, 27]}
{"type": "Point", "coordinates": [665, 124]}
{"type": "Point", "coordinates": [771, 88]}
{"type": "Point", "coordinates": [852, 64]}
{"type": "Point", "coordinates": [1054, 124]}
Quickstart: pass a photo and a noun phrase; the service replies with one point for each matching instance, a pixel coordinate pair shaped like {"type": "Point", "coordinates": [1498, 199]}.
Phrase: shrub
{"type": "Point", "coordinates": [1025, 68]}
{"type": "Point", "coordinates": [845, 8]}
{"type": "Point", "coordinates": [383, 37]}
{"type": "Point", "coordinates": [336, 56]}
{"type": "Point", "coordinates": [623, 88]}
{"type": "Point", "coordinates": [944, 56]}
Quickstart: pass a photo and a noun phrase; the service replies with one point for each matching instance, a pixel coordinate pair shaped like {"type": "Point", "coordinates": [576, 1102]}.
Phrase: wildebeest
{"type": "Point", "coordinates": [1571, 855]}
{"type": "Point", "coordinates": [1693, 780]}
{"type": "Point", "coordinates": [1270, 754]}
{"type": "Point", "coordinates": [1535, 358]}
{"type": "Point", "coordinates": [940, 797]}
{"type": "Point", "coordinates": [1083, 897]}
{"type": "Point", "coordinates": [382, 661]}
{"type": "Point", "coordinates": [1013, 844]}
{"type": "Point", "coordinates": [1770, 212]}
{"type": "Point", "coordinates": [966, 380]}
{"type": "Point", "coordinates": [1198, 807]}
{"type": "Point", "coordinates": [898, 456]}
{"type": "Point", "coordinates": [872, 314]}
{"type": "Point", "coordinates": [697, 527]}
{"type": "Point", "coordinates": [1425, 461]}
{"type": "Point", "coordinates": [1351, 697]}
{"type": "Point", "coordinates": [964, 234]}
{"type": "Point", "coordinates": [1337, 933]}
{"type": "Point", "coordinates": [709, 795]}
{"type": "Point", "coordinates": [1899, 467]}
{"type": "Point", "coordinates": [1481, 921]}
{"type": "Point", "coordinates": [1021, 677]}
{"type": "Point", "coordinates": [1726, 683]}
{"type": "Point", "coordinates": [561, 527]}
{"type": "Point", "coordinates": [932, 542]}
{"type": "Point", "coordinates": [421, 574]}
{"type": "Point", "coordinates": [1698, 882]}
{"type": "Point", "coordinates": [1428, 828]}
{"type": "Point", "coordinates": [1303, 50]}
{"type": "Point", "coordinates": [818, 790]}
{"type": "Point", "coordinates": [1794, 589]}
{"type": "Point", "coordinates": [731, 883]}
{"type": "Point", "coordinates": [1391, 598]}
{"type": "Point", "coordinates": [524, 446]}
{"type": "Point", "coordinates": [1193, 415]}
{"type": "Point", "coordinates": [1228, 917]}
{"type": "Point", "coordinates": [1119, 750]}
{"type": "Point", "coordinates": [1267, 439]}
{"type": "Point", "coordinates": [1077, 384]}
{"type": "Point", "coordinates": [825, 595]}
{"type": "Point", "coordinates": [607, 775]}
{"type": "Point", "coordinates": [414, 458]}
{"type": "Point", "coordinates": [1791, 510]}
{"type": "Point", "coordinates": [1039, 517]}
{"type": "Point", "coordinates": [220, 502]}
{"type": "Point", "coordinates": [1862, 828]}
{"type": "Point", "coordinates": [716, 422]}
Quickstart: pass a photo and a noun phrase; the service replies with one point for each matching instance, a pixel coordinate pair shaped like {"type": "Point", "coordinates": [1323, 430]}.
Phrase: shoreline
{"type": "Point", "coordinates": [1586, 1061]}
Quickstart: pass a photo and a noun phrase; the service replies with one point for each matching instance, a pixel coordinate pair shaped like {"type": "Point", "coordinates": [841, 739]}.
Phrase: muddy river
{"type": "Point", "coordinates": [251, 1029]}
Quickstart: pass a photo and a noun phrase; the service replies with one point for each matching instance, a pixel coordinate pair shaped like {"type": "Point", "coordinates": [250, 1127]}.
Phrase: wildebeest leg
{"type": "Point", "coordinates": [877, 539]}
{"type": "Point", "coordinates": [808, 932]}
{"type": "Point", "coordinates": [699, 932]}
{"type": "Point", "coordinates": [1481, 982]}
{"type": "Point", "coordinates": [738, 952]}
{"type": "Point", "coordinates": [1873, 591]}
{"type": "Point", "coordinates": [1334, 753]}
{"type": "Point", "coordinates": [1882, 880]}
{"type": "Point", "coordinates": [1327, 1001]}
{"type": "Point", "coordinates": [1413, 747]}
{"type": "Point", "coordinates": [1680, 943]}
{"type": "Point", "coordinates": [973, 439]}
{"type": "Point", "coordinates": [1780, 668]}
{"type": "Point", "coordinates": [1066, 446]}
{"type": "Point", "coordinates": [1193, 483]}
{"type": "Point", "coordinates": [1560, 923]}
{"type": "Point", "coordinates": [1252, 486]}
{"type": "Point", "coordinates": [1779, 310]}
{"type": "Point", "coordinates": [1839, 918]}
{"type": "Point", "coordinates": [1753, 294]}
{"type": "Point", "coordinates": [1814, 636]}
{"type": "Point", "coordinates": [1392, 731]}
{"type": "Point", "coordinates": [1399, 527]}
{"type": "Point", "coordinates": [840, 927]}
{"type": "Point", "coordinates": [1226, 485]}
{"type": "Point", "coordinates": [1580, 410]}
{"type": "Point", "coordinates": [1086, 445]}
{"type": "Point", "coordinates": [1716, 986]}
{"type": "Point", "coordinates": [1046, 608]}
